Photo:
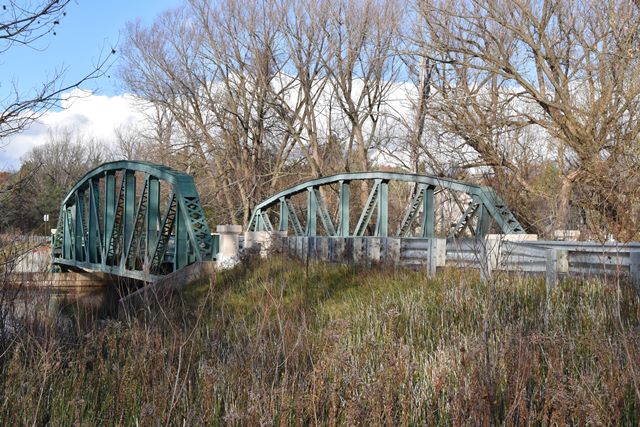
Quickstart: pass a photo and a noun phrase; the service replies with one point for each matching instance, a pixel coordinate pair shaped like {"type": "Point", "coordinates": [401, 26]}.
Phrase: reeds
{"type": "Point", "coordinates": [274, 343]}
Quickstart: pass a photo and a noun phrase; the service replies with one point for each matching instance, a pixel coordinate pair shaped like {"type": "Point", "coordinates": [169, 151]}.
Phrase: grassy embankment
{"type": "Point", "coordinates": [273, 343]}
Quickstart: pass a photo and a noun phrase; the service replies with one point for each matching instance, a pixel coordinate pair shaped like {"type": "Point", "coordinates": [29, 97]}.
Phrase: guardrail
{"type": "Point", "coordinates": [553, 259]}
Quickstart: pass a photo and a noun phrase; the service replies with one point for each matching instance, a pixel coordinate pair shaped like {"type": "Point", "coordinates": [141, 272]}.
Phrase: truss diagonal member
{"type": "Point", "coordinates": [500, 212]}
{"type": "Point", "coordinates": [95, 237]}
{"type": "Point", "coordinates": [69, 237]}
{"type": "Point", "coordinates": [411, 212]}
{"type": "Point", "coordinates": [293, 216]}
{"type": "Point", "coordinates": [197, 227]}
{"type": "Point", "coordinates": [264, 217]}
{"type": "Point", "coordinates": [467, 215]}
{"type": "Point", "coordinates": [325, 218]}
{"type": "Point", "coordinates": [133, 239]}
{"type": "Point", "coordinates": [160, 248]}
{"type": "Point", "coordinates": [114, 231]}
{"type": "Point", "coordinates": [82, 250]}
{"type": "Point", "coordinates": [367, 211]}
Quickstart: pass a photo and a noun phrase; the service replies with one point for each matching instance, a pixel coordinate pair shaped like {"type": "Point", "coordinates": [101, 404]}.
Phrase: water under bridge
{"type": "Point", "coordinates": [144, 221]}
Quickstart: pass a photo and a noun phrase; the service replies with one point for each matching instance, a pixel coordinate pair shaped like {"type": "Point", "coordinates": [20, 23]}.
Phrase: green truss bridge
{"type": "Point", "coordinates": [132, 219]}
{"type": "Point", "coordinates": [143, 221]}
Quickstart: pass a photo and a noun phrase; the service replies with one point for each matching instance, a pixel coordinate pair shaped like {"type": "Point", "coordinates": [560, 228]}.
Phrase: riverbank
{"type": "Point", "coordinates": [278, 342]}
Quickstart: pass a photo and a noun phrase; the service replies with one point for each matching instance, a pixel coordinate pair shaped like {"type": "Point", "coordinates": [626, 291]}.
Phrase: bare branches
{"type": "Point", "coordinates": [563, 69]}
{"type": "Point", "coordinates": [24, 24]}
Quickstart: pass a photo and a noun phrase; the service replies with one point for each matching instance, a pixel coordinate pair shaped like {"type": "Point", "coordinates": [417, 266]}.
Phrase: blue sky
{"type": "Point", "coordinates": [90, 27]}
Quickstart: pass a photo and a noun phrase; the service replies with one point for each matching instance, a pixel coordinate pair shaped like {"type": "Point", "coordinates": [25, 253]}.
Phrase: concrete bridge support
{"type": "Point", "coordinates": [229, 251]}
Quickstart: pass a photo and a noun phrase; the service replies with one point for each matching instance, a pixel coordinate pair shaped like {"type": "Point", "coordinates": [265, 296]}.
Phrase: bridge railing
{"type": "Point", "coordinates": [492, 255]}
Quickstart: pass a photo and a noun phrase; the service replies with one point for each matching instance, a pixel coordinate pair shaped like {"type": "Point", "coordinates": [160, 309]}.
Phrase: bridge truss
{"type": "Point", "coordinates": [330, 200]}
{"type": "Point", "coordinates": [132, 219]}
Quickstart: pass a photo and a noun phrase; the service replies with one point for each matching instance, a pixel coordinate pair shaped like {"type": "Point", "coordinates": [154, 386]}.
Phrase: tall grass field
{"type": "Point", "coordinates": [275, 342]}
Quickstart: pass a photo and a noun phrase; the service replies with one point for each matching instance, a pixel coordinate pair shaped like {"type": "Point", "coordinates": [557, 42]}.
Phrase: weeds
{"type": "Point", "coordinates": [278, 342]}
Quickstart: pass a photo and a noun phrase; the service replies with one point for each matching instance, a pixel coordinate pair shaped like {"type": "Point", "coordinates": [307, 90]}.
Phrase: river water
{"type": "Point", "coordinates": [63, 308]}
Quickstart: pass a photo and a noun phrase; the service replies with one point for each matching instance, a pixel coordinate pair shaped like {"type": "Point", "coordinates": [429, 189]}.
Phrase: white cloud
{"type": "Point", "coordinates": [88, 114]}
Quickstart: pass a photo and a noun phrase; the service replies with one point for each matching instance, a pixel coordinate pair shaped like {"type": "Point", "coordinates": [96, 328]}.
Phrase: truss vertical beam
{"type": "Point", "coordinates": [484, 222]}
{"type": "Point", "coordinates": [259, 225]}
{"type": "Point", "coordinates": [129, 210]}
{"type": "Point", "coordinates": [67, 246]}
{"type": "Point", "coordinates": [428, 212]}
{"type": "Point", "coordinates": [382, 220]}
{"type": "Point", "coordinates": [284, 215]}
{"type": "Point", "coordinates": [79, 253]}
{"type": "Point", "coordinates": [109, 212]}
{"type": "Point", "coordinates": [343, 209]}
{"type": "Point", "coordinates": [152, 217]}
{"type": "Point", "coordinates": [181, 251]}
{"type": "Point", "coordinates": [312, 213]}
{"type": "Point", "coordinates": [94, 239]}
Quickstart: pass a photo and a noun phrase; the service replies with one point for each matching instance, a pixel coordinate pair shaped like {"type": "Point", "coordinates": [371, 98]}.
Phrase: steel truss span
{"type": "Point", "coordinates": [132, 219]}
{"type": "Point", "coordinates": [480, 207]}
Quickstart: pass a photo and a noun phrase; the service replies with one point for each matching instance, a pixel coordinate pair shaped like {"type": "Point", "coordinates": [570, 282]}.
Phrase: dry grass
{"type": "Point", "coordinates": [274, 343]}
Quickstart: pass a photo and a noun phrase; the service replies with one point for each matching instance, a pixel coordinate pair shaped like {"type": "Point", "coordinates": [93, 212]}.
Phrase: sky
{"type": "Point", "coordinates": [90, 29]}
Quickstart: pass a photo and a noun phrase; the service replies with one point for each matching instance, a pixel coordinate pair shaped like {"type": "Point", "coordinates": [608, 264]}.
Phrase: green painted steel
{"type": "Point", "coordinates": [344, 208]}
{"type": "Point", "coordinates": [485, 207]}
{"type": "Point", "coordinates": [132, 219]}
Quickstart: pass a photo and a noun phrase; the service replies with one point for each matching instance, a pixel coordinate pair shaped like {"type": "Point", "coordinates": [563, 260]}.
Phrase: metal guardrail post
{"type": "Point", "coordinates": [551, 274]}
{"type": "Point", "coordinates": [634, 267]}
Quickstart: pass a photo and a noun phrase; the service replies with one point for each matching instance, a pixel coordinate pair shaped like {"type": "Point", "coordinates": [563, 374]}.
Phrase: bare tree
{"type": "Point", "coordinates": [301, 85]}
{"type": "Point", "coordinates": [213, 67]}
{"type": "Point", "coordinates": [25, 24]}
{"type": "Point", "coordinates": [362, 66]}
{"type": "Point", "coordinates": [566, 68]}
